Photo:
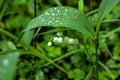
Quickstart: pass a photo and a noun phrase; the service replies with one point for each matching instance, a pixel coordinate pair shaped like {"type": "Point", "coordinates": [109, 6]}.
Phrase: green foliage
{"type": "Point", "coordinates": [60, 43]}
{"type": "Point", "coordinates": [54, 51]}
{"type": "Point", "coordinates": [65, 17]}
{"type": "Point", "coordinates": [105, 8]}
{"type": "Point", "coordinates": [40, 76]}
{"type": "Point", "coordinates": [8, 62]}
{"type": "Point", "coordinates": [81, 5]}
{"type": "Point", "coordinates": [76, 74]}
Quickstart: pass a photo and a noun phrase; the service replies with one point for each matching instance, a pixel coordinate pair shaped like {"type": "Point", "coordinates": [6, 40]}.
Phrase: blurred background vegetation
{"type": "Point", "coordinates": [15, 14]}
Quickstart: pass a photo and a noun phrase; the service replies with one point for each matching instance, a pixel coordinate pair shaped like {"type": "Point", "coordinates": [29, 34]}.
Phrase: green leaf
{"type": "Point", "coordinates": [39, 75]}
{"type": "Point", "coordinates": [105, 8]}
{"type": "Point", "coordinates": [65, 17]}
{"type": "Point", "coordinates": [71, 74]}
{"type": "Point", "coordinates": [75, 58]}
{"type": "Point", "coordinates": [27, 36]}
{"type": "Point", "coordinates": [79, 74]}
{"type": "Point", "coordinates": [8, 65]}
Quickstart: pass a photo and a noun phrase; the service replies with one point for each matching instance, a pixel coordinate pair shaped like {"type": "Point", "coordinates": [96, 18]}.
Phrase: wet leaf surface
{"type": "Point", "coordinates": [64, 17]}
{"type": "Point", "coordinates": [8, 65]}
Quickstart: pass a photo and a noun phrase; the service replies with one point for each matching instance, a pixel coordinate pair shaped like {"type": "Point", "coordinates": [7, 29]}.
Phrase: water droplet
{"type": "Point", "coordinates": [58, 11]}
{"type": "Point", "coordinates": [57, 21]}
{"type": "Point", "coordinates": [50, 22]}
{"type": "Point", "coordinates": [66, 10]}
{"type": "Point", "coordinates": [46, 13]}
{"type": "Point", "coordinates": [42, 20]}
{"type": "Point", "coordinates": [53, 14]}
{"type": "Point", "coordinates": [61, 23]}
{"type": "Point", "coordinates": [64, 14]}
{"type": "Point", "coordinates": [5, 62]}
{"type": "Point", "coordinates": [41, 16]}
{"type": "Point", "coordinates": [55, 8]}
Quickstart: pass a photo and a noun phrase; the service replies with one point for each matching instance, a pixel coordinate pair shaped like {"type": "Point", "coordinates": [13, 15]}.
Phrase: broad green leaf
{"type": "Point", "coordinates": [64, 17]}
{"type": "Point", "coordinates": [105, 8]}
{"type": "Point", "coordinates": [8, 65]}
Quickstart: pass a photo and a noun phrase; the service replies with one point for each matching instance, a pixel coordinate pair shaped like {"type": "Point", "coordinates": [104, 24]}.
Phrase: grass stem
{"type": "Point", "coordinates": [96, 63]}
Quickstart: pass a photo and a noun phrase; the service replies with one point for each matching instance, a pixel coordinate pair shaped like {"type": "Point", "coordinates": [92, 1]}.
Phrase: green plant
{"type": "Point", "coordinates": [69, 21]}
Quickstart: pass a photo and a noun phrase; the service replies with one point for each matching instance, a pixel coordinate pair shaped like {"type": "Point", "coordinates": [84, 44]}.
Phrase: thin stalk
{"type": "Point", "coordinates": [96, 49]}
{"type": "Point", "coordinates": [89, 55]}
{"type": "Point", "coordinates": [8, 34]}
{"type": "Point", "coordinates": [35, 14]}
{"type": "Point", "coordinates": [92, 12]}
{"type": "Point", "coordinates": [35, 8]}
{"type": "Point", "coordinates": [96, 63]}
{"type": "Point", "coordinates": [111, 32]}
{"type": "Point", "coordinates": [91, 4]}
{"type": "Point", "coordinates": [89, 74]}
{"type": "Point", "coordinates": [61, 57]}
{"type": "Point", "coordinates": [107, 70]}
{"type": "Point", "coordinates": [98, 28]}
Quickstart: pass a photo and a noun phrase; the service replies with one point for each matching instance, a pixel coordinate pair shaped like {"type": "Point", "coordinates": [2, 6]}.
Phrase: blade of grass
{"type": "Point", "coordinates": [97, 59]}
{"type": "Point", "coordinates": [89, 74]}
{"type": "Point", "coordinates": [107, 69]}
{"type": "Point", "coordinates": [105, 8]}
{"type": "Point", "coordinates": [111, 32]}
{"type": "Point", "coordinates": [28, 35]}
{"type": "Point", "coordinates": [111, 20]}
{"type": "Point", "coordinates": [92, 12]}
{"type": "Point", "coordinates": [61, 57]}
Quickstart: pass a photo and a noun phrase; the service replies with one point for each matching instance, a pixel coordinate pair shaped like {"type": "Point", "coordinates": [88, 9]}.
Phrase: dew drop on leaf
{"type": "Point", "coordinates": [5, 62]}
{"type": "Point", "coordinates": [63, 17]}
